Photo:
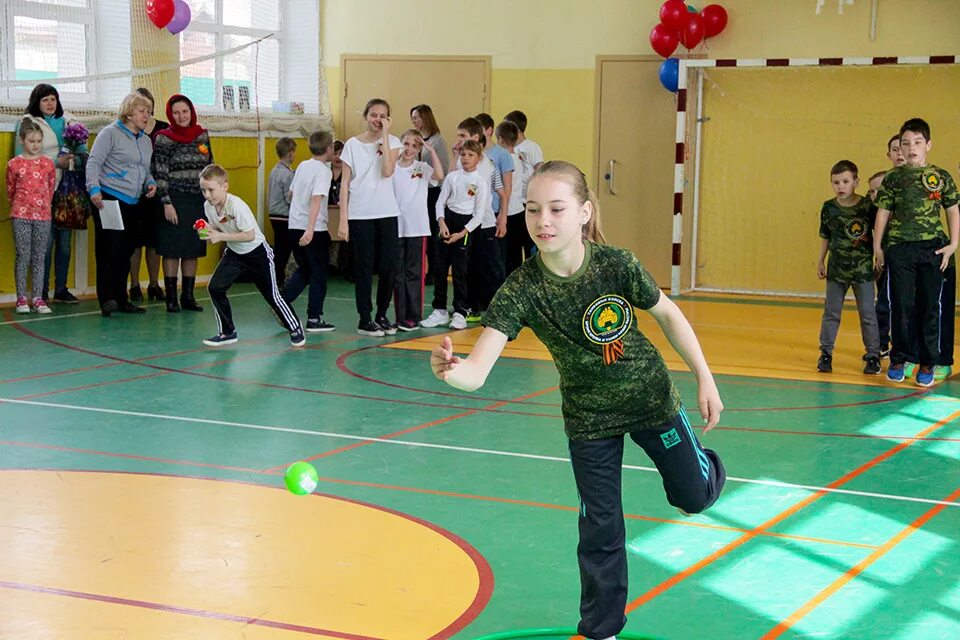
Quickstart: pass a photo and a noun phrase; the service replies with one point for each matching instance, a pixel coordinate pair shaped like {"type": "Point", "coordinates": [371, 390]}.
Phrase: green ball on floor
{"type": "Point", "coordinates": [301, 478]}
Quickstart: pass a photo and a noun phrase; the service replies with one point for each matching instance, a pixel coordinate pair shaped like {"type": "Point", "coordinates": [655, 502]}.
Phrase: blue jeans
{"type": "Point", "coordinates": [61, 239]}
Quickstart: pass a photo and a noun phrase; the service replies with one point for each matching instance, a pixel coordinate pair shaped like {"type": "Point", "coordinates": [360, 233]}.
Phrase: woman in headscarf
{"type": "Point", "coordinates": [180, 154]}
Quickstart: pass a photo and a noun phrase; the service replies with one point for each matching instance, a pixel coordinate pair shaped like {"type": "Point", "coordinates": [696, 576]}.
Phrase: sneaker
{"type": "Point", "coordinates": [22, 305]}
{"type": "Point", "coordinates": [221, 339]}
{"type": "Point", "coordinates": [370, 328]}
{"type": "Point", "coordinates": [39, 306]}
{"type": "Point", "coordinates": [941, 372]}
{"type": "Point", "coordinates": [825, 363]}
{"type": "Point", "coordinates": [909, 368]}
{"type": "Point", "coordinates": [408, 325]}
{"type": "Point", "coordinates": [885, 352]}
{"type": "Point", "coordinates": [458, 321]}
{"type": "Point", "coordinates": [473, 318]}
{"type": "Point", "coordinates": [65, 297]}
{"type": "Point", "coordinates": [388, 327]}
{"type": "Point", "coordinates": [925, 377]}
{"type": "Point", "coordinates": [136, 294]}
{"type": "Point", "coordinates": [438, 318]}
{"type": "Point", "coordinates": [108, 308]}
{"type": "Point", "coordinates": [319, 326]}
{"type": "Point", "coordinates": [895, 373]}
{"type": "Point", "coordinates": [872, 368]}
{"type": "Point", "coordinates": [297, 339]}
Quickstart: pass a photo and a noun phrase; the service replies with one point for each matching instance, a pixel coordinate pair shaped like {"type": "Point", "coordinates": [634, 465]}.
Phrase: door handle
{"type": "Point", "coordinates": [610, 177]}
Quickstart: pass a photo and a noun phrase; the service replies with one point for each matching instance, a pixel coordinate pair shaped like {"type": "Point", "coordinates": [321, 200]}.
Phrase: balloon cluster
{"type": "Point", "coordinates": [681, 23]}
{"type": "Point", "coordinates": [172, 14]}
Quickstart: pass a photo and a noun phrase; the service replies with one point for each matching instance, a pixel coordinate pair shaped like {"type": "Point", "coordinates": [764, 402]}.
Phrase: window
{"type": "Point", "coordinates": [249, 76]}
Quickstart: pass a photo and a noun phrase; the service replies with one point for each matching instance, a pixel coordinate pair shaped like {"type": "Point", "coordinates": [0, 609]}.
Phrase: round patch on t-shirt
{"type": "Point", "coordinates": [607, 319]}
{"type": "Point", "coordinates": [933, 181]}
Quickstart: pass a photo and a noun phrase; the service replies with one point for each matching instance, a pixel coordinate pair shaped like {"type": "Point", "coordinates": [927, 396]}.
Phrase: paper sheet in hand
{"type": "Point", "coordinates": [110, 216]}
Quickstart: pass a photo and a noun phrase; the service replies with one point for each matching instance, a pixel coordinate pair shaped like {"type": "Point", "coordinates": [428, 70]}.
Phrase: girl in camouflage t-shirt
{"type": "Point", "coordinates": [578, 296]}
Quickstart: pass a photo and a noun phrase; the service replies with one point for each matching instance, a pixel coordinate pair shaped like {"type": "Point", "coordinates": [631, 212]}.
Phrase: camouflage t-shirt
{"type": "Point", "coordinates": [914, 195]}
{"type": "Point", "coordinates": [612, 379]}
{"type": "Point", "coordinates": [849, 231]}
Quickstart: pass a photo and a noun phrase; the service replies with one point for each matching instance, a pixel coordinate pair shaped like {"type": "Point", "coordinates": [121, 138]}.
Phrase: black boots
{"type": "Point", "coordinates": [170, 284]}
{"type": "Point", "coordinates": [187, 301]}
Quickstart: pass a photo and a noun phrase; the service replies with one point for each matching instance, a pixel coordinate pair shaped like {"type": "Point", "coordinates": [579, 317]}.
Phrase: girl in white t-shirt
{"type": "Point", "coordinates": [368, 214]}
{"type": "Point", "coordinates": [411, 180]}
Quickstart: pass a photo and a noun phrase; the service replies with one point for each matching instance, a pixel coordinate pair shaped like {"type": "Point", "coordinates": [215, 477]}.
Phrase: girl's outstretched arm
{"type": "Point", "coordinates": [684, 341]}
{"type": "Point", "coordinates": [471, 372]}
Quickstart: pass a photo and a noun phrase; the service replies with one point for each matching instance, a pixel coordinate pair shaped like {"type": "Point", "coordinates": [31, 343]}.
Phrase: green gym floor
{"type": "Point", "coordinates": [143, 493]}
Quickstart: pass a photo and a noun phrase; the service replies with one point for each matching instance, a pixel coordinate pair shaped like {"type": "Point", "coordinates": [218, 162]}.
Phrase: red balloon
{"type": "Point", "coordinates": [714, 19]}
{"type": "Point", "coordinates": [160, 12]}
{"type": "Point", "coordinates": [672, 14]}
{"type": "Point", "coordinates": [663, 39]}
{"type": "Point", "coordinates": [693, 31]}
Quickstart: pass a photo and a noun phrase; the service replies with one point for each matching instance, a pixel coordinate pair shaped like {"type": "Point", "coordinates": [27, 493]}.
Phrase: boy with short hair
{"type": "Point", "coordinates": [503, 160]}
{"type": "Point", "coordinates": [917, 252]}
{"type": "Point", "coordinates": [518, 243]}
{"type": "Point", "coordinates": [308, 233]}
{"type": "Point", "coordinates": [893, 151]}
{"type": "Point", "coordinates": [278, 203]}
{"type": "Point", "coordinates": [230, 220]}
{"type": "Point", "coordinates": [845, 223]}
{"type": "Point", "coordinates": [528, 150]}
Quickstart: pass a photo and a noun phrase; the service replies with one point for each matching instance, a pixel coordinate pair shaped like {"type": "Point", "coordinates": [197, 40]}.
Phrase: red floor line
{"type": "Point", "coordinates": [94, 385]}
{"type": "Point", "coordinates": [783, 515]}
{"type": "Point", "coordinates": [419, 427]}
{"type": "Point", "coordinates": [186, 611]}
{"type": "Point", "coordinates": [342, 365]}
{"type": "Point", "coordinates": [418, 490]}
{"type": "Point", "coordinates": [855, 571]}
{"type": "Point", "coordinates": [834, 434]}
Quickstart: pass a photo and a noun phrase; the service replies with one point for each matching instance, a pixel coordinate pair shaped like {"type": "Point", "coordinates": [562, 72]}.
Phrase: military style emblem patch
{"type": "Point", "coordinates": [856, 230]}
{"type": "Point", "coordinates": [605, 322]}
{"type": "Point", "coordinates": [933, 182]}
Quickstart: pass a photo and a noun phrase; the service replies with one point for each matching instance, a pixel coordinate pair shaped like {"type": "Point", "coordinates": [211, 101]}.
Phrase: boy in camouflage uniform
{"type": "Point", "coordinates": [845, 224]}
{"type": "Point", "coordinates": [917, 251]}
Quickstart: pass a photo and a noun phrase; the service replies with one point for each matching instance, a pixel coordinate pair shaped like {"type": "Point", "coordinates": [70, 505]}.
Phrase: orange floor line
{"type": "Point", "coordinates": [855, 570]}
{"type": "Point", "coordinates": [783, 515]}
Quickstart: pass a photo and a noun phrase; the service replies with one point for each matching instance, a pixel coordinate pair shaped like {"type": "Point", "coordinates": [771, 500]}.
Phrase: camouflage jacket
{"type": "Point", "coordinates": [849, 231]}
{"type": "Point", "coordinates": [914, 195]}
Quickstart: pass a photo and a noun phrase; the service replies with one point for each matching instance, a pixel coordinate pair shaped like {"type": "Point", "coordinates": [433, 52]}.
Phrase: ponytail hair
{"type": "Point", "coordinates": [26, 127]}
{"type": "Point", "coordinates": [581, 191]}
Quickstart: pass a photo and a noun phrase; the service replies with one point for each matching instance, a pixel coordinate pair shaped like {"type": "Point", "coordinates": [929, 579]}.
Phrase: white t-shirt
{"type": "Point", "coordinates": [467, 194]}
{"type": "Point", "coordinates": [311, 179]}
{"type": "Point", "coordinates": [410, 187]}
{"type": "Point", "coordinates": [371, 195]}
{"type": "Point", "coordinates": [529, 152]}
{"type": "Point", "coordinates": [522, 170]}
{"type": "Point", "coordinates": [490, 174]}
{"type": "Point", "coordinates": [236, 217]}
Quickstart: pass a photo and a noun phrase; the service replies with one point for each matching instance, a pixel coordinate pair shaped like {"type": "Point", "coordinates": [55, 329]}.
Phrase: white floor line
{"type": "Point", "coordinates": [157, 305]}
{"type": "Point", "coordinates": [427, 445]}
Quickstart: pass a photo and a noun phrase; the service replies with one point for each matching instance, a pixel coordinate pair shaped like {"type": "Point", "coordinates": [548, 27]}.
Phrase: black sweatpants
{"type": "Point", "coordinates": [281, 249]}
{"type": "Point", "coordinates": [113, 250]}
{"type": "Point", "coordinates": [410, 277]}
{"type": "Point", "coordinates": [519, 245]}
{"type": "Point", "coordinates": [915, 287]}
{"type": "Point", "coordinates": [452, 256]}
{"type": "Point", "coordinates": [948, 315]}
{"type": "Point", "coordinates": [259, 265]}
{"type": "Point", "coordinates": [692, 479]}
{"type": "Point", "coordinates": [485, 272]}
{"type": "Point", "coordinates": [312, 261]}
{"type": "Point", "coordinates": [433, 194]}
{"type": "Point", "coordinates": [883, 308]}
{"type": "Point", "coordinates": [374, 242]}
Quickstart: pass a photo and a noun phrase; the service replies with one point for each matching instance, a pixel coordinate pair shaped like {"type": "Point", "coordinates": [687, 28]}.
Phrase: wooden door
{"type": "Point", "coordinates": [636, 133]}
{"type": "Point", "coordinates": [454, 87]}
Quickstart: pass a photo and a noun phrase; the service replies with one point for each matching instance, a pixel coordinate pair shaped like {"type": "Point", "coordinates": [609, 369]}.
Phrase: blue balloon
{"type": "Point", "coordinates": [669, 74]}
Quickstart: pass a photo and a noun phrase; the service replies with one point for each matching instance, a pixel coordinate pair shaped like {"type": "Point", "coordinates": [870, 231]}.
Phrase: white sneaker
{"type": "Point", "coordinates": [458, 321]}
{"type": "Point", "coordinates": [438, 318]}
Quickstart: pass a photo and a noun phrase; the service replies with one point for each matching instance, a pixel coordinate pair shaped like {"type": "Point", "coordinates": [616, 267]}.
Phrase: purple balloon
{"type": "Point", "coordinates": [181, 17]}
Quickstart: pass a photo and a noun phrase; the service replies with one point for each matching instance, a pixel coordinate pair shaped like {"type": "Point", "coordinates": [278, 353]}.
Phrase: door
{"type": "Point", "coordinates": [635, 154]}
{"type": "Point", "coordinates": [454, 87]}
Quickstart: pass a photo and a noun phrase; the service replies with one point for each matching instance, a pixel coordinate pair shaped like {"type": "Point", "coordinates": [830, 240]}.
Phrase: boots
{"type": "Point", "coordinates": [187, 301]}
{"type": "Point", "coordinates": [171, 294]}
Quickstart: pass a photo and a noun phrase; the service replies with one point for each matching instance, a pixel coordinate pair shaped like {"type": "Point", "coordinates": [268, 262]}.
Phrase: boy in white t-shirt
{"type": "Point", "coordinates": [308, 234]}
{"type": "Point", "coordinates": [528, 150]}
{"type": "Point", "coordinates": [230, 220]}
{"type": "Point", "coordinates": [461, 208]}
{"type": "Point", "coordinates": [517, 245]}
{"type": "Point", "coordinates": [411, 179]}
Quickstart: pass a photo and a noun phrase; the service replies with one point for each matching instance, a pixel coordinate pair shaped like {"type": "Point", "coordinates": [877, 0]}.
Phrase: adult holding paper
{"type": "Point", "coordinates": [119, 170]}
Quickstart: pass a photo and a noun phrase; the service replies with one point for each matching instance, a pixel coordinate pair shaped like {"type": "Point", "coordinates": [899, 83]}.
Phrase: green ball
{"type": "Point", "coordinates": [301, 478]}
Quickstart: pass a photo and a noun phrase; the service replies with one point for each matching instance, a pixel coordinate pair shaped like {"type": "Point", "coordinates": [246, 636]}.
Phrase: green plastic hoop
{"type": "Point", "coordinates": [551, 631]}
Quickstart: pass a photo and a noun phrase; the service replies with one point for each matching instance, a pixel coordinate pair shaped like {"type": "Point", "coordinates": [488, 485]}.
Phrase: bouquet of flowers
{"type": "Point", "coordinates": [71, 205]}
{"type": "Point", "coordinates": [75, 135]}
